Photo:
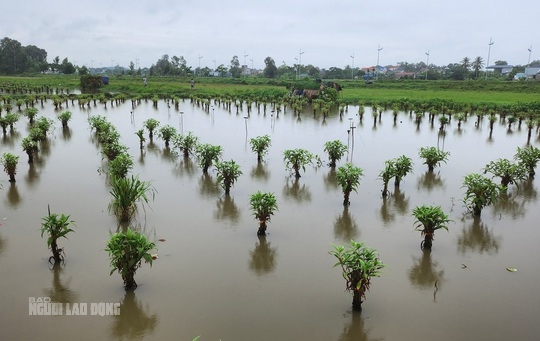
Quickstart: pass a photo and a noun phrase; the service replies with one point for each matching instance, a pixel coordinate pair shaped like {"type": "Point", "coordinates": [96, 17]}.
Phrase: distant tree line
{"type": "Point", "coordinates": [18, 59]}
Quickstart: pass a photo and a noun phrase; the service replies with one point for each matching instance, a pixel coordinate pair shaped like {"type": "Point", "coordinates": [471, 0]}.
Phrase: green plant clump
{"type": "Point", "coordinates": [126, 252]}
{"type": "Point", "coordinates": [359, 264]}
{"type": "Point", "coordinates": [56, 227]}
{"type": "Point", "coordinates": [428, 220]}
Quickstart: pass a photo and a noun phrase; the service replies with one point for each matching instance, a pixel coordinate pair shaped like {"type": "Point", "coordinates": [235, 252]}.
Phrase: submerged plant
{"type": "Point", "coordinates": [126, 194]}
{"type": "Point", "coordinates": [207, 155]}
{"type": "Point", "coordinates": [386, 175]}
{"type": "Point", "coordinates": [402, 166]}
{"type": "Point", "coordinates": [187, 143]}
{"type": "Point", "coordinates": [9, 161]}
{"type": "Point", "coordinates": [31, 113]}
{"type": "Point", "coordinates": [121, 165]}
{"type": "Point", "coordinates": [263, 205]}
{"type": "Point", "coordinates": [508, 172]}
{"type": "Point", "coordinates": [151, 124]}
{"type": "Point", "coordinates": [30, 147]}
{"type": "Point", "coordinates": [260, 145]}
{"type": "Point", "coordinates": [348, 177]}
{"type": "Point", "coordinates": [126, 252]}
{"type": "Point", "coordinates": [481, 192]}
{"type": "Point", "coordinates": [64, 117]}
{"type": "Point", "coordinates": [428, 220]}
{"type": "Point", "coordinates": [56, 227]}
{"type": "Point", "coordinates": [528, 157]}
{"type": "Point", "coordinates": [296, 159]}
{"type": "Point", "coordinates": [227, 174]}
{"type": "Point", "coordinates": [166, 133]}
{"type": "Point", "coordinates": [140, 134]}
{"type": "Point", "coordinates": [335, 150]}
{"type": "Point", "coordinates": [359, 264]}
{"type": "Point", "coordinates": [433, 156]}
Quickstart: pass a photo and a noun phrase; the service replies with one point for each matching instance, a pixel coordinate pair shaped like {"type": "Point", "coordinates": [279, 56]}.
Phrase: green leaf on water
{"type": "Point", "coordinates": [511, 269]}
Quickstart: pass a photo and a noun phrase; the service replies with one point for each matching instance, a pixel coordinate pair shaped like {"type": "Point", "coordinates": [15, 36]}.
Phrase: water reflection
{"type": "Point", "coordinates": [168, 154]}
{"type": "Point", "coordinates": [60, 292]}
{"type": "Point", "coordinates": [32, 176]}
{"type": "Point", "coordinates": [330, 180]}
{"type": "Point", "coordinates": [400, 201]}
{"type": "Point", "coordinates": [295, 191]}
{"type": "Point", "coordinates": [8, 140]}
{"type": "Point", "coordinates": [135, 321]}
{"type": "Point", "coordinates": [2, 243]}
{"type": "Point", "coordinates": [430, 181]}
{"type": "Point", "coordinates": [476, 237]}
{"type": "Point", "coordinates": [528, 191]}
{"type": "Point", "coordinates": [260, 172]}
{"type": "Point", "coordinates": [66, 133]}
{"type": "Point", "coordinates": [387, 215]}
{"type": "Point", "coordinates": [13, 196]}
{"type": "Point", "coordinates": [355, 330]}
{"type": "Point", "coordinates": [262, 259]}
{"type": "Point", "coordinates": [185, 166]}
{"type": "Point", "coordinates": [510, 203]}
{"type": "Point", "coordinates": [396, 202]}
{"type": "Point", "coordinates": [226, 209]}
{"type": "Point", "coordinates": [424, 274]}
{"type": "Point", "coordinates": [142, 155]}
{"type": "Point", "coordinates": [345, 227]}
{"type": "Point", "coordinates": [152, 148]}
{"type": "Point", "coordinates": [45, 148]}
{"type": "Point", "coordinates": [208, 187]}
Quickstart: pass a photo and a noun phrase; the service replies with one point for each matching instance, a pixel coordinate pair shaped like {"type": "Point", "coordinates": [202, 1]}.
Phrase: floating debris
{"type": "Point", "coordinates": [161, 240]}
{"type": "Point", "coordinates": [154, 256]}
{"type": "Point", "coordinates": [511, 269]}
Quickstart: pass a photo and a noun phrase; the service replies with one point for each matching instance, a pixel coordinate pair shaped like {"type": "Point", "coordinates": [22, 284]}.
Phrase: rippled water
{"type": "Point", "coordinates": [216, 278]}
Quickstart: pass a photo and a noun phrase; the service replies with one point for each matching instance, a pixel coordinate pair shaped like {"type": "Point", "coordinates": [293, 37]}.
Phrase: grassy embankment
{"type": "Point", "coordinates": [463, 92]}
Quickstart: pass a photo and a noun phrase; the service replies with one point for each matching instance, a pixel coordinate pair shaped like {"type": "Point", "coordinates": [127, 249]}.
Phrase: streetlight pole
{"type": "Point", "coordinates": [297, 68]}
{"type": "Point", "coordinates": [200, 64]}
{"type": "Point", "coordinates": [377, 66]}
{"type": "Point", "coordinates": [427, 63]}
{"type": "Point", "coordinates": [300, 61]}
{"type": "Point", "coordinates": [182, 122]}
{"type": "Point", "coordinates": [530, 51]}
{"type": "Point", "coordinates": [489, 52]}
{"type": "Point", "coordinates": [352, 70]}
{"type": "Point", "coordinates": [245, 55]}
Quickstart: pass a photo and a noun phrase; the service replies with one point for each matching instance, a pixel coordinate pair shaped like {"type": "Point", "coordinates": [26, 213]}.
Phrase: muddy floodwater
{"type": "Point", "coordinates": [216, 279]}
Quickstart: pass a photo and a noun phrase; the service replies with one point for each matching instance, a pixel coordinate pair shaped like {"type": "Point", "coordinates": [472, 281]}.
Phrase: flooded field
{"type": "Point", "coordinates": [216, 279]}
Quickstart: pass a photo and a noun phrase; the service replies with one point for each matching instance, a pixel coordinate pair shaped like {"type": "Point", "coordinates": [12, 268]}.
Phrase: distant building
{"type": "Point", "coordinates": [401, 74]}
{"type": "Point", "coordinates": [530, 72]}
{"type": "Point", "coordinates": [378, 69]}
{"type": "Point", "coordinates": [504, 69]}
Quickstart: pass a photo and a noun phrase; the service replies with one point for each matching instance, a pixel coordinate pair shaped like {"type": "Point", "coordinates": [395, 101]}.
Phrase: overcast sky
{"type": "Point", "coordinates": [328, 33]}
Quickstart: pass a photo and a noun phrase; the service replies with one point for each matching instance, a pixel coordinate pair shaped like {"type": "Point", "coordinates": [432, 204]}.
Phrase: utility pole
{"type": "Point", "coordinates": [427, 63]}
{"type": "Point", "coordinates": [377, 66]}
{"type": "Point", "coordinates": [352, 69]}
{"type": "Point", "coordinates": [245, 65]}
{"type": "Point", "coordinates": [489, 52]}
{"type": "Point", "coordinates": [300, 61]}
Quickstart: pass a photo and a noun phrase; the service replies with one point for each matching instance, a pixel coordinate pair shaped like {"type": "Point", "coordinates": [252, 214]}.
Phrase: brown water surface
{"type": "Point", "coordinates": [216, 278]}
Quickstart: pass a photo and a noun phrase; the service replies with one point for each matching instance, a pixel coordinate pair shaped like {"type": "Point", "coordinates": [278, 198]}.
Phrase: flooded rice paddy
{"type": "Point", "coordinates": [214, 276]}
